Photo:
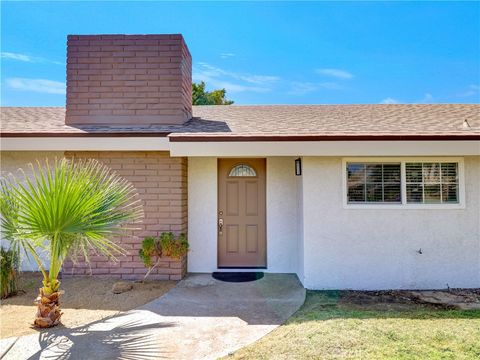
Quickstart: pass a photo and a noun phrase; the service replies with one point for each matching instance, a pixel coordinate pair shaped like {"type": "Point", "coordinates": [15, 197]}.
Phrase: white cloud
{"type": "Point", "coordinates": [302, 88]}
{"type": "Point", "coordinates": [27, 58]}
{"type": "Point", "coordinates": [470, 91]}
{"type": "Point", "coordinates": [15, 56]}
{"type": "Point", "coordinates": [232, 81]}
{"type": "Point", "coordinates": [250, 78]}
{"type": "Point", "coordinates": [36, 85]}
{"type": "Point", "coordinates": [337, 73]}
{"type": "Point", "coordinates": [389, 100]}
{"type": "Point", "coordinates": [259, 79]}
{"type": "Point", "coordinates": [427, 99]}
{"type": "Point", "coordinates": [227, 85]}
{"type": "Point", "coordinates": [226, 55]}
{"type": "Point", "coordinates": [330, 86]}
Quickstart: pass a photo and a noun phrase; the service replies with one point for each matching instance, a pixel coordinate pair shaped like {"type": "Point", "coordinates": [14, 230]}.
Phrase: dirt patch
{"type": "Point", "coordinates": [86, 299]}
{"type": "Point", "coordinates": [399, 300]}
{"type": "Point", "coordinates": [472, 295]}
{"type": "Point", "coordinates": [458, 299]}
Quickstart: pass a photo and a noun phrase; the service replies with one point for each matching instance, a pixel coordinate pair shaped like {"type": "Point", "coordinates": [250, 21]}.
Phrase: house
{"type": "Point", "coordinates": [345, 196]}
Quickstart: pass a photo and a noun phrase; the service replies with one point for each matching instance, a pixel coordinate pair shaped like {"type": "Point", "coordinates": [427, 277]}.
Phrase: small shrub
{"type": "Point", "coordinates": [171, 247]}
{"type": "Point", "coordinates": [166, 245]}
{"type": "Point", "coordinates": [148, 250]}
{"type": "Point", "coordinates": [9, 264]}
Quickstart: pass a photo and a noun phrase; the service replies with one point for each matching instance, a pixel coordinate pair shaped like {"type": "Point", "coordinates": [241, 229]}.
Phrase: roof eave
{"type": "Point", "coordinates": [25, 134]}
{"type": "Point", "coordinates": [330, 137]}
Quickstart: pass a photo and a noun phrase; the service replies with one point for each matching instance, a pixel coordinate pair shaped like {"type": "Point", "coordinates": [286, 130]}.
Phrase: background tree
{"type": "Point", "coordinates": [67, 210]}
{"type": "Point", "coordinates": [214, 97]}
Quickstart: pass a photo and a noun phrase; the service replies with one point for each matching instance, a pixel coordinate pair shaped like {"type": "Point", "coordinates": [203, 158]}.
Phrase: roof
{"type": "Point", "coordinates": [271, 122]}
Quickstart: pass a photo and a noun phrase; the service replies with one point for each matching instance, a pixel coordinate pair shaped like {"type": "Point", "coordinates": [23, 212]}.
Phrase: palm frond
{"type": "Point", "coordinates": [72, 206]}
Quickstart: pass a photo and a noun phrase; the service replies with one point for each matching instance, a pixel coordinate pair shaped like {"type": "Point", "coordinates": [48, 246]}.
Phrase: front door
{"type": "Point", "coordinates": [241, 213]}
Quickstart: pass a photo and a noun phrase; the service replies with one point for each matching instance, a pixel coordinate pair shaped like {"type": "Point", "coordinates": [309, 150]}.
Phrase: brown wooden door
{"type": "Point", "coordinates": [241, 218]}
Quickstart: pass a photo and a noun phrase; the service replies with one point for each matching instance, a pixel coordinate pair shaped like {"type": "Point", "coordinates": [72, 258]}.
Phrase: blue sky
{"type": "Point", "coordinates": [265, 53]}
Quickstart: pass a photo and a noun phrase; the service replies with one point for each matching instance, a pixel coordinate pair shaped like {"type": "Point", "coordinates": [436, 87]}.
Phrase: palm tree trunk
{"type": "Point", "coordinates": [48, 308]}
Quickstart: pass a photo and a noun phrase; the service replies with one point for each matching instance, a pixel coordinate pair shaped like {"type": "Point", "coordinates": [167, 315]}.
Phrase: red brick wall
{"type": "Point", "coordinates": [161, 182]}
{"type": "Point", "coordinates": [128, 79]}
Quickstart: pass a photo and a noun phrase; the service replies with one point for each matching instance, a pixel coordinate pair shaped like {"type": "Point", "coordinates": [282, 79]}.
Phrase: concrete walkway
{"type": "Point", "coordinates": [201, 318]}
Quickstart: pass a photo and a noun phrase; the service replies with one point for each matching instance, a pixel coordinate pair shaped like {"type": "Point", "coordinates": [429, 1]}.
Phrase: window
{"type": "Point", "coordinates": [401, 182]}
{"type": "Point", "coordinates": [432, 183]}
{"type": "Point", "coordinates": [373, 183]}
{"type": "Point", "coordinates": [242, 170]}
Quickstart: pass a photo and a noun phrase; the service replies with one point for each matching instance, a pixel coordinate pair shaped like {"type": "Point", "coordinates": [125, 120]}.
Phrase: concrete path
{"type": "Point", "coordinates": [201, 318]}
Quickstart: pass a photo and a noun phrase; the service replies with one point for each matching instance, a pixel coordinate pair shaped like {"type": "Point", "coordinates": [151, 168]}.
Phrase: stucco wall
{"type": "Point", "coordinates": [282, 227]}
{"type": "Point", "coordinates": [377, 249]}
{"type": "Point", "coordinates": [10, 162]}
{"type": "Point", "coordinates": [202, 214]}
{"type": "Point", "coordinates": [299, 241]}
{"type": "Point", "coordinates": [282, 224]}
{"type": "Point", "coordinates": [307, 224]}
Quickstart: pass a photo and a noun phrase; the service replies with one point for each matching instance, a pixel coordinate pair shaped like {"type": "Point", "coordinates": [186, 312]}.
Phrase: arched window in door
{"type": "Point", "coordinates": [242, 170]}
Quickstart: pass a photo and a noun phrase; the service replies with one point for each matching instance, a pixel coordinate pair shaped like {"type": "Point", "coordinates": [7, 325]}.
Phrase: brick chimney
{"type": "Point", "coordinates": [128, 80]}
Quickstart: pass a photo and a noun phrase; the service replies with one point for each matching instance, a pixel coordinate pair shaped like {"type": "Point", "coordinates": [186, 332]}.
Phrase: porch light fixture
{"type": "Point", "coordinates": [298, 167]}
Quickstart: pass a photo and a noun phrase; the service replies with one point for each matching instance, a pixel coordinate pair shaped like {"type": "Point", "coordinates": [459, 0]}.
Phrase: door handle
{"type": "Point", "coordinates": [220, 224]}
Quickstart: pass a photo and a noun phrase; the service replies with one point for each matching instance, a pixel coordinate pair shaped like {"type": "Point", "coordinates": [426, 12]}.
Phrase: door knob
{"type": "Point", "coordinates": [220, 224]}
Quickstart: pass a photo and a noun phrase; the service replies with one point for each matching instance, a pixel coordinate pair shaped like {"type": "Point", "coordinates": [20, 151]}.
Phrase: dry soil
{"type": "Point", "coordinates": [86, 299]}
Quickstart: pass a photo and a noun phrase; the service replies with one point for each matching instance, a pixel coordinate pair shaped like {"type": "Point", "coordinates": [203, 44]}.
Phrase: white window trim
{"type": "Point", "coordinates": [403, 205]}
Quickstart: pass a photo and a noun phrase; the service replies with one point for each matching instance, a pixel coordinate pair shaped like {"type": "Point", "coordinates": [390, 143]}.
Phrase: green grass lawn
{"type": "Point", "coordinates": [329, 327]}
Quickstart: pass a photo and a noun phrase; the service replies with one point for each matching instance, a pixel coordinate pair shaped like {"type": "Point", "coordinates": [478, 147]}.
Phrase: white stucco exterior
{"type": "Point", "coordinates": [282, 223]}
{"type": "Point", "coordinates": [378, 249]}
{"type": "Point", "coordinates": [312, 233]}
{"type": "Point", "coordinates": [202, 214]}
{"type": "Point", "coordinates": [10, 162]}
{"type": "Point", "coordinates": [324, 148]}
{"type": "Point", "coordinates": [43, 144]}
{"type": "Point", "coordinates": [329, 246]}
{"type": "Point", "coordinates": [300, 226]}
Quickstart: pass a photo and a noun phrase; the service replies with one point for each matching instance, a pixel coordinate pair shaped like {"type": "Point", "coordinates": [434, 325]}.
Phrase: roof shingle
{"type": "Point", "coordinates": [268, 120]}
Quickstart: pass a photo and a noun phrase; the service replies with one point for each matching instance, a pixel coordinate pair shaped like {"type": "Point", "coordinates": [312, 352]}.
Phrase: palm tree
{"type": "Point", "coordinates": [68, 209]}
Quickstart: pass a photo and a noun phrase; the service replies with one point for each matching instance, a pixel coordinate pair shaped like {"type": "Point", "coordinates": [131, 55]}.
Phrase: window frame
{"type": "Point", "coordinates": [242, 164]}
{"type": "Point", "coordinates": [382, 183]}
{"type": "Point", "coordinates": [403, 183]}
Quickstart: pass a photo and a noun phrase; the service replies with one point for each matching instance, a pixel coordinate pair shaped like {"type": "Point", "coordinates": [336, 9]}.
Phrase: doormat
{"type": "Point", "coordinates": [237, 276]}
